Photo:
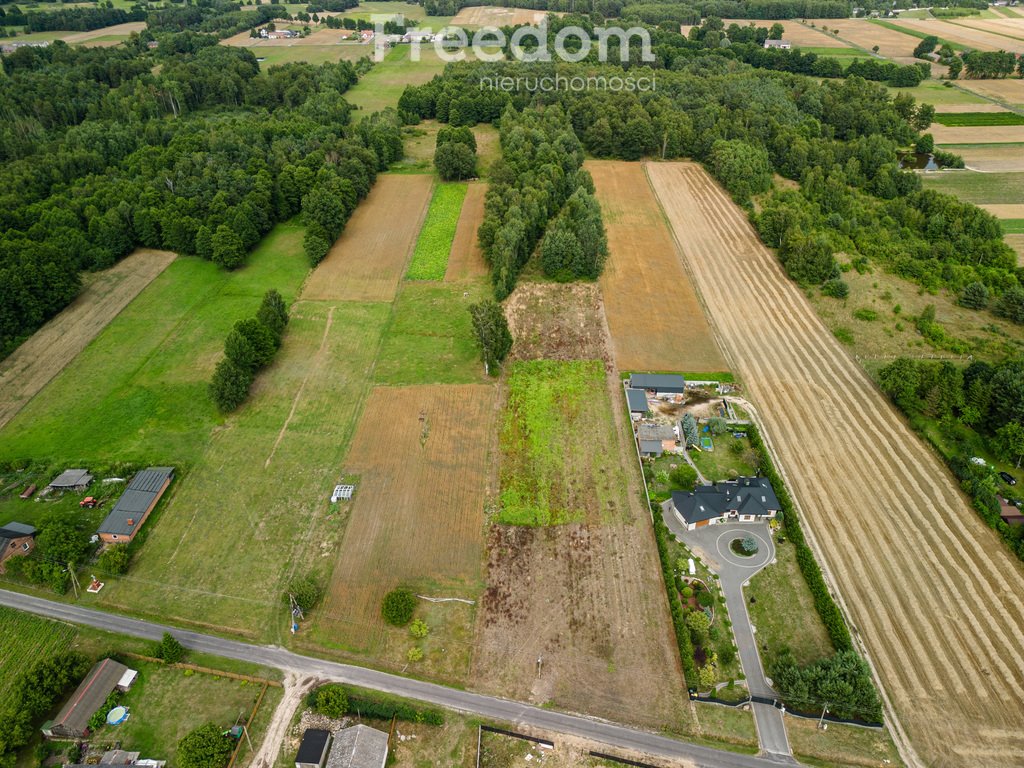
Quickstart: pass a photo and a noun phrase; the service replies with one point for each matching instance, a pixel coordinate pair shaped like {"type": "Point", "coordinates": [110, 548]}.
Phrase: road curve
{"type": "Point", "coordinates": [462, 701]}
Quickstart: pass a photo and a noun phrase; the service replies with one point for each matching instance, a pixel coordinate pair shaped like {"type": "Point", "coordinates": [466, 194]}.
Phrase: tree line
{"type": "Point", "coordinates": [647, 9]}
{"type": "Point", "coordinates": [981, 403]}
{"type": "Point", "coordinates": [71, 19]}
{"type": "Point", "coordinates": [113, 157]}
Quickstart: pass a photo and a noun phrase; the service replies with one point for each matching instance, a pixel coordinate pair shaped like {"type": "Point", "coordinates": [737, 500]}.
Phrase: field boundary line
{"type": "Point", "coordinates": [302, 387]}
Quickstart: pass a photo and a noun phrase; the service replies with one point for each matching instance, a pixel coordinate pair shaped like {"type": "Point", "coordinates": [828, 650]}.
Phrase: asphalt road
{"type": "Point", "coordinates": [712, 543]}
{"type": "Point", "coordinates": [489, 707]}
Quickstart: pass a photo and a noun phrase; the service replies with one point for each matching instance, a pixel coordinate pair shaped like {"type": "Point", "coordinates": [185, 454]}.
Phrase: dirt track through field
{"type": "Point", "coordinates": [655, 319]}
{"type": "Point", "coordinates": [368, 260]}
{"type": "Point", "coordinates": [932, 592]}
{"type": "Point", "coordinates": [32, 365]}
{"type": "Point", "coordinates": [466, 259]}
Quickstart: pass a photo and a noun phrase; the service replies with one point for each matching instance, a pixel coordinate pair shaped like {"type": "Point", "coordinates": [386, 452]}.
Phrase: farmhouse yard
{"type": "Point", "coordinates": [32, 365]}
{"type": "Point", "coordinates": [931, 563]}
{"type": "Point", "coordinates": [655, 319]}
{"type": "Point", "coordinates": [421, 458]}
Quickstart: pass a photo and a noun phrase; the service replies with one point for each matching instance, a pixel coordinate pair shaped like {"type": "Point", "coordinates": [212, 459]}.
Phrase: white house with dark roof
{"type": "Point", "coordinates": [784, 45]}
{"type": "Point", "coordinates": [744, 500]}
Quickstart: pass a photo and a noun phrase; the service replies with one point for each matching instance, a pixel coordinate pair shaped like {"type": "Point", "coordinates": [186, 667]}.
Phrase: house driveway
{"type": "Point", "coordinates": [711, 544]}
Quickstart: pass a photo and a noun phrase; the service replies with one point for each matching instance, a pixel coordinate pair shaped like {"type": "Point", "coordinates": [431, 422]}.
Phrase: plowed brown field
{"type": "Point", "coordinates": [654, 317]}
{"type": "Point", "coordinates": [987, 134]}
{"type": "Point", "coordinates": [932, 592]}
{"type": "Point", "coordinates": [418, 515]}
{"type": "Point", "coordinates": [369, 258]}
{"type": "Point", "coordinates": [31, 366]}
{"type": "Point", "coordinates": [466, 259]}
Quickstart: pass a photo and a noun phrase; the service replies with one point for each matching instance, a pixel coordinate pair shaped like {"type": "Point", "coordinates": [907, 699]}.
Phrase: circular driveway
{"type": "Point", "coordinates": [761, 558]}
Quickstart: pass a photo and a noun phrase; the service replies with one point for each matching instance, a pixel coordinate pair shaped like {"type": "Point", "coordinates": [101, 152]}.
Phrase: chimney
{"type": "Point", "coordinates": [131, 521]}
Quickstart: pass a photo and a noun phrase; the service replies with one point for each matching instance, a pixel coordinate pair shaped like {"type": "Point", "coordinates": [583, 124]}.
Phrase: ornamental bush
{"type": "Point", "coordinates": [398, 607]}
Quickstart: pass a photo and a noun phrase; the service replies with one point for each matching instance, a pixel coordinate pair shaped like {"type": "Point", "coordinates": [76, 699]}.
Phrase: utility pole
{"type": "Point", "coordinates": [74, 578]}
{"type": "Point", "coordinates": [821, 720]}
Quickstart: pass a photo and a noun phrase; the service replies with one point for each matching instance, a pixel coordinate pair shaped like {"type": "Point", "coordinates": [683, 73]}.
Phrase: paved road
{"type": "Point", "coordinates": [484, 706]}
{"type": "Point", "coordinates": [712, 544]}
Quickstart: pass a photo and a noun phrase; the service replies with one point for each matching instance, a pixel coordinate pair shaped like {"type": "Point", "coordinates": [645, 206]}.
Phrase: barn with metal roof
{"type": "Point", "coordinates": [135, 504]}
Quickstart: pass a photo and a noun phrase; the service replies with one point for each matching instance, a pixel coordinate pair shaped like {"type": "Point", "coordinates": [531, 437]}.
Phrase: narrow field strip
{"type": "Point", "coordinates": [466, 259]}
{"type": "Point", "coordinates": [430, 259]}
{"type": "Point", "coordinates": [979, 118]}
{"type": "Point", "coordinates": [910, 558]}
{"type": "Point", "coordinates": [32, 365]}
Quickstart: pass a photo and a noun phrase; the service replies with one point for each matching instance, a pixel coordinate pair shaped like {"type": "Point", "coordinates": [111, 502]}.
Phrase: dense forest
{"type": "Point", "coordinates": [100, 155]}
{"type": "Point", "coordinates": [652, 11]}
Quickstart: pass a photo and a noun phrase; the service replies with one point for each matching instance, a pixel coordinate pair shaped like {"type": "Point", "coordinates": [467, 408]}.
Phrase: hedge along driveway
{"type": "Point", "coordinates": [430, 259]}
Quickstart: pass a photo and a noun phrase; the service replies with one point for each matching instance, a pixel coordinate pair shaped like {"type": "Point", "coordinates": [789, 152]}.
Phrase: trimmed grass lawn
{"type": "Point", "coordinates": [430, 338]}
{"type": "Point", "coordinates": [720, 724]}
{"type": "Point", "coordinates": [978, 187]}
{"type": "Point", "coordinates": [722, 463]}
{"type": "Point", "coordinates": [274, 55]}
{"type": "Point", "coordinates": [430, 259]}
{"type": "Point", "coordinates": [165, 704]}
{"type": "Point", "coordinates": [979, 118]}
{"type": "Point", "coordinates": [783, 611]}
{"type": "Point", "coordinates": [840, 745]}
{"type": "Point", "coordinates": [138, 392]}
{"type": "Point", "coordinates": [836, 53]}
{"type": "Point", "coordinates": [559, 457]}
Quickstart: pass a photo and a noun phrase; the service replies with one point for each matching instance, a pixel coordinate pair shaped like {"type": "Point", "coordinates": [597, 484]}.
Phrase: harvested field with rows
{"type": "Point", "coordinates": [1010, 90]}
{"type": "Point", "coordinates": [976, 134]}
{"type": "Point", "coordinates": [32, 365]}
{"type": "Point", "coordinates": [26, 639]}
{"type": "Point", "coordinates": [466, 260]}
{"type": "Point", "coordinates": [866, 35]}
{"type": "Point", "coordinates": [932, 593]}
{"type": "Point", "coordinates": [421, 456]}
{"type": "Point", "coordinates": [655, 320]}
{"type": "Point", "coordinates": [991, 158]}
{"type": "Point", "coordinates": [966, 35]}
{"type": "Point", "coordinates": [368, 260]}
{"type": "Point", "coordinates": [491, 16]}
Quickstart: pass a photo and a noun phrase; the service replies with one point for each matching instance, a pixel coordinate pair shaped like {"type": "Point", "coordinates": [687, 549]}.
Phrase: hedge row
{"type": "Point", "coordinates": [661, 534]}
{"type": "Point", "coordinates": [826, 606]}
{"type": "Point", "coordinates": [380, 705]}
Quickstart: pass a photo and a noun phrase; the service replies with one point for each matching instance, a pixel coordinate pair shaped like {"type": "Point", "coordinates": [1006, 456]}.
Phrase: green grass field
{"type": "Point", "coordinates": [138, 392]}
{"type": "Point", "coordinates": [935, 93]}
{"type": "Point", "coordinates": [1013, 226]}
{"type": "Point", "coordinates": [430, 338]}
{"type": "Point", "coordinates": [836, 53]}
{"type": "Point", "coordinates": [382, 86]}
{"type": "Point", "coordinates": [722, 463]}
{"type": "Point", "coordinates": [979, 187]}
{"type": "Point", "coordinates": [274, 55]}
{"type": "Point", "coordinates": [979, 118]}
{"type": "Point", "coordinates": [430, 259]}
{"type": "Point", "coordinates": [559, 458]}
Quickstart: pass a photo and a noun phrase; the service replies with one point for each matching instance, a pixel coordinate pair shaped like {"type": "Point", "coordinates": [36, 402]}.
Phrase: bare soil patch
{"type": "Point", "coordinates": [953, 109]}
{"type": "Point", "coordinates": [466, 259]}
{"type": "Point", "coordinates": [919, 574]}
{"type": "Point", "coordinates": [368, 260]}
{"type": "Point", "coordinates": [864, 34]}
{"type": "Point", "coordinates": [654, 317]}
{"type": "Point", "coordinates": [981, 134]}
{"type": "Point", "coordinates": [1005, 210]}
{"type": "Point", "coordinates": [32, 365]}
{"type": "Point", "coordinates": [1017, 243]}
{"type": "Point", "coordinates": [125, 29]}
{"type": "Point", "coordinates": [556, 321]}
{"type": "Point", "coordinates": [421, 457]}
{"type": "Point", "coordinates": [1010, 90]}
{"type": "Point", "coordinates": [1002, 27]}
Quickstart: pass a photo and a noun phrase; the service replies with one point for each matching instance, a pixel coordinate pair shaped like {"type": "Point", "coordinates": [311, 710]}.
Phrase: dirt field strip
{"type": "Point", "coordinates": [955, 109]}
{"type": "Point", "coordinates": [978, 39]}
{"type": "Point", "coordinates": [994, 158]}
{"type": "Point", "coordinates": [421, 457]}
{"type": "Point", "coordinates": [466, 260]}
{"type": "Point", "coordinates": [1010, 90]}
{"type": "Point", "coordinates": [368, 261]}
{"type": "Point", "coordinates": [1012, 28]}
{"type": "Point", "coordinates": [655, 318]}
{"type": "Point", "coordinates": [1005, 211]}
{"type": "Point", "coordinates": [931, 591]}
{"type": "Point", "coordinates": [32, 365]}
{"type": "Point", "coordinates": [981, 134]}
{"type": "Point", "coordinates": [863, 34]}
{"type": "Point", "coordinates": [491, 16]}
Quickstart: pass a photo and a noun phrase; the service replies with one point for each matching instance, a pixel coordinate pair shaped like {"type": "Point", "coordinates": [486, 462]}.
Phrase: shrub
{"type": "Point", "coordinates": [306, 591]}
{"type": "Point", "coordinates": [865, 314]}
{"type": "Point", "coordinates": [836, 288]}
{"type": "Point", "coordinates": [844, 335]}
{"type": "Point", "coordinates": [419, 629]}
{"type": "Point", "coordinates": [675, 606]}
{"type": "Point", "coordinates": [1011, 305]}
{"type": "Point", "coordinates": [414, 654]}
{"type": "Point", "coordinates": [205, 747]}
{"type": "Point", "coordinates": [683, 477]}
{"type": "Point", "coordinates": [114, 560]}
{"type": "Point", "coordinates": [398, 607]}
{"type": "Point", "coordinates": [748, 544]}
{"type": "Point", "coordinates": [331, 701]}
{"type": "Point", "coordinates": [974, 296]}
{"type": "Point", "coordinates": [169, 649]}
{"type": "Point", "coordinates": [383, 706]}
{"type": "Point", "coordinates": [687, 592]}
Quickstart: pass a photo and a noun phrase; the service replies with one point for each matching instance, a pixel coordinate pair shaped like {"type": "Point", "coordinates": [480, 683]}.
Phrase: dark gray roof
{"type": "Point", "coordinates": [651, 446]}
{"type": "Point", "coordinates": [140, 494]}
{"type": "Point", "coordinates": [659, 382]}
{"type": "Point", "coordinates": [16, 530]}
{"type": "Point", "coordinates": [746, 496]}
{"type": "Point", "coordinates": [73, 717]}
{"type": "Point", "coordinates": [71, 478]}
{"type": "Point", "coordinates": [655, 432]}
{"type": "Point", "coordinates": [313, 746]}
{"type": "Point", "coordinates": [358, 747]}
{"type": "Point", "coordinates": [637, 400]}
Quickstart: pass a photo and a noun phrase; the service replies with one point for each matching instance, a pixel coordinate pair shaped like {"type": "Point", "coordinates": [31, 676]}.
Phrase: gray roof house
{"type": "Point", "coordinates": [746, 500]}
{"type": "Point", "coordinates": [15, 539]}
{"type": "Point", "coordinates": [72, 722]}
{"type": "Point", "coordinates": [651, 448]}
{"type": "Point", "coordinates": [72, 480]}
{"type": "Point", "coordinates": [637, 400]}
{"type": "Point", "coordinates": [783, 44]}
{"type": "Point", "coordinates": [659, 382]}
{"type": "Point", "coordinates": [135, 504]}
{"type": "Point", "coordinates": [313, 749]}
{"type": "Point", "coordinates": [358, 747]}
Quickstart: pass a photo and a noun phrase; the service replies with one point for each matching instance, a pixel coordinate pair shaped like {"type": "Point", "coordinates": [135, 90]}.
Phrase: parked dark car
{"type": "Point", "coordinates": [1008, 478]}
